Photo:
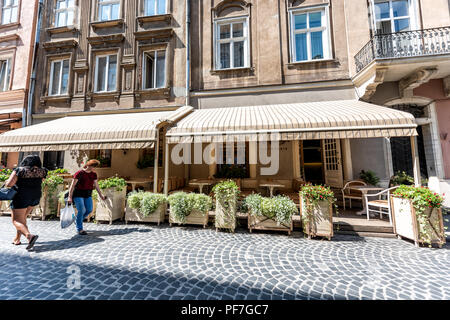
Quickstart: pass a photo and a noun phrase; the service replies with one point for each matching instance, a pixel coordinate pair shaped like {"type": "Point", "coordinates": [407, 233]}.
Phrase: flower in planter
{"type": "Point", "coordinates": [182, 204]}
{"type": "Point", "coordinates": [150, 203]}
{"type": "Point", "coordinates": [314, 195]}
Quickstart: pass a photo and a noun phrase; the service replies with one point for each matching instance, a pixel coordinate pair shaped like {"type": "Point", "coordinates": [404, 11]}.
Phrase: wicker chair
{"type": "Point", "coordinates": [350, 194]}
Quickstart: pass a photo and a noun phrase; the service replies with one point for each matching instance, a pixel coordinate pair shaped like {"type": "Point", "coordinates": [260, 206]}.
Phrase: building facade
{"type": "Point", "coordinates": [17, 42]}
{"type": "Point", "coordinates": [102, 57]}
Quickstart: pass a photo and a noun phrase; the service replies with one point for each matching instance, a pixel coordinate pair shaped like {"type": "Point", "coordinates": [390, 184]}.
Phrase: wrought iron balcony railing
{"type": "Point", "coordinates": [404, 44]}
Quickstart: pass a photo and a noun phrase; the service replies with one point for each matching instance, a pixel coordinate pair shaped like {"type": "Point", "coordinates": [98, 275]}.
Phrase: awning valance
{"type": "Point", "coordinates": [300, 121]}
{"type": "Point", "coordinates": [109, 131]}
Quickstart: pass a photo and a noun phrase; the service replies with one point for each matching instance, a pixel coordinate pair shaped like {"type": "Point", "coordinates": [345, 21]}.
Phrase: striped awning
{"type": "Point", "coordinates": [109, 131]}
{"type": "Point", "coordinates": [300, 121]}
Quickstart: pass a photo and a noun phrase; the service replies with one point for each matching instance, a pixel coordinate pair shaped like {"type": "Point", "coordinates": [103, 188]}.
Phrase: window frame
{"type": "Point", "coordinates": [57, 11]}
{"type": "Point", "coordinates": [10, 7]}
{"type": "Point", "coordinates": [326, 33]}
{"type": "Point", "coordinates": [50, 86]}
{"type": "Point", "coordinates": [97, 58]}
{"type": "Point", "coordinates": [144, 69]}
{"type": "Point", "coordinates": [246, 38]}
{"type": "Point", "coordinates": [412, 11]}
{"type": "Point", "coordinates": [6, 86]}
{"type": "Point", "coordinates": [110, 3]}
{"type": "Point", "coordinates": [144, 7]}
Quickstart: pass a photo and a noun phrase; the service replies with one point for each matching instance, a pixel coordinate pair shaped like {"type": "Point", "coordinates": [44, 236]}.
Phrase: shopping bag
{"type": "Point", "coordinates": [67, 215]}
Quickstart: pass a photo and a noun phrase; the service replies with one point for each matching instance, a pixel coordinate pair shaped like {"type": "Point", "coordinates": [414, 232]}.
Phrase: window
{"type": "Point", "coordinates": [53, 160]}
{"type": "Point", "coordinates": [104, 156]}
{"type": "Point", "coordinates": [5, 74]}
{"type": "Point", "coordinates": [392, 16]}
{"type": "Point", "coordinates": [59, 77]}
{"type": "Point", "coordinates": [154, 7]}
{"type": "Point", "coordinates": [310, 35]}
{"type": "Point", "coordinates": [106, 73]}
{"type": "Point", "coordinates": [154, 66]}
{"type": "Point", "coordinates": [235, 163]}
{"type": "Point", "coordinates": [10, 11]}
{"type": "Point", "coordinates": [232, 44]}
{"type": "Point", "coordinates": [65, 13]}
{"type": "Point", "coordinates": [108, 10]}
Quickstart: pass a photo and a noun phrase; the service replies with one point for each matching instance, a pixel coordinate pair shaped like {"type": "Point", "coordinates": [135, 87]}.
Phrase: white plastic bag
{"type": "Point", "coordinates": [68, 216]}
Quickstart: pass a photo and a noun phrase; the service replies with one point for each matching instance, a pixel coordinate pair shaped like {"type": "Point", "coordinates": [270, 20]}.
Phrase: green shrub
{"type": "Point", "coordinates": [113, 182]}
{"type": "Point", "coordinates": [58, 171]}
{"type": "Point", "coordinates": [134, 199]}
{"type": "Point", "coordinates": [5, 174]}
{"type": "Point", "coordinates": [182, 204]}
{"type": "Point", "coordinates": [279, 208]}
{"type": "Point", "coordinates": [369, 177]}
{"type": "Point", "coordinates": [226, 192]}
{"type": "Point", "coordinates": [150, 202]}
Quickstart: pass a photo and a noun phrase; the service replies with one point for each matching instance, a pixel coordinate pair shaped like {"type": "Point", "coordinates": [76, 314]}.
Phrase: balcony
{"type": "Point", "coordinates": [406, 44]}
{"type": "Point", "coordinates": [410, 57]}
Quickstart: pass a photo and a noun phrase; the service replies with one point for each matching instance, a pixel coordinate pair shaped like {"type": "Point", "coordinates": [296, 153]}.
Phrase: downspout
{"type": "Point", "coordinates": [188, 52]}
{"type": "Point", "coordinates": [26, 119]}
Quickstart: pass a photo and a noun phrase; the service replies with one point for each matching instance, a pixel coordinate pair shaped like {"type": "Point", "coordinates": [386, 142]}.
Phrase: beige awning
{"type": "Point", "coordinates": [110, 131]}
{"type": "Point", "coordinates": [300, 121]}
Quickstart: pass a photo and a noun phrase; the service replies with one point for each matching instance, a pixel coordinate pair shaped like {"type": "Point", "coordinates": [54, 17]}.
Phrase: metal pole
{"type": "Point", "coordinates": [188, 52]}
{"type": "Point", "coordinates": [416, 164]}
{"type": "Point", "coordinates": [156, 165]}
{"type": "Point", "coordinates": [166, 169]}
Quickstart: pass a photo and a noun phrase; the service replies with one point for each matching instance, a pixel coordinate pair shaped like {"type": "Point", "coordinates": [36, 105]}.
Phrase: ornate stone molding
{"type": "Point", "coordinates": [414, 80]}
{"type": "Point", "coordinates": [446, 83]}
{"type": "Point", "coordinates": [370, 87]}
{"type": "Point", "coordinates": [229, 4]}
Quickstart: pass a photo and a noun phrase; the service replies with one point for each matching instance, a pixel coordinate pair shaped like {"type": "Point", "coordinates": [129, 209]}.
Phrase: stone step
{"type": "Point", "coordinates": [367, 234]}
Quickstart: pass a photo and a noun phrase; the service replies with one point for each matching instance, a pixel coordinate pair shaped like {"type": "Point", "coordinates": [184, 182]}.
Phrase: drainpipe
{"type": "Point", "coordinates": [188, 51]}
{"type": "Point", "coordinates": [26, 118]}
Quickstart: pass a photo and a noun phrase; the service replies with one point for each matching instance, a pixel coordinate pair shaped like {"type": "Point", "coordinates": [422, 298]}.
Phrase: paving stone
{"type": "Point", "coordinates": [127, 262]}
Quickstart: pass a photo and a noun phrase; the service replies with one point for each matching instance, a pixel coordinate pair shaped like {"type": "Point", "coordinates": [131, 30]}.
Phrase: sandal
{"type": "Point", "coordinates": [32, 242]}
{"type": "Point", "coordinates": [16, 243]}
{"type": "Point", "coordinates": [82, 233]}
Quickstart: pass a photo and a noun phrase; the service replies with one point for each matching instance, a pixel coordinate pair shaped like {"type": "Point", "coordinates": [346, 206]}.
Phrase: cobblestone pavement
{"type": "Point", "coordinates": [150, 262]}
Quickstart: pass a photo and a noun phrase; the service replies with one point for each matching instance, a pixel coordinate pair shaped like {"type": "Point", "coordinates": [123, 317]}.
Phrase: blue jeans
{"type": "Point", "coordinates": [84, 207]}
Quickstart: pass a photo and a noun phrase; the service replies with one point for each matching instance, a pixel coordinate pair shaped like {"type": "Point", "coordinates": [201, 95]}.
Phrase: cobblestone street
{"type": "Point", "coordinates": [150, 262]}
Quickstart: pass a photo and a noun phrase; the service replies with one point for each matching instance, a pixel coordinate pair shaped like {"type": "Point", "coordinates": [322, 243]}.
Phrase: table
{"type": "Point", "coordinates": [271, 187]}
{"type": "Point", "coordinates": [138, 181]}
{"type": "Point", "coordinates": [200, 184]}
{"type": "Point", "coordinates": [364, 190]}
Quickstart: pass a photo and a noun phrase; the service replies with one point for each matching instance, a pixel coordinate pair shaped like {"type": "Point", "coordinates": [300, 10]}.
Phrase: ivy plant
{"type": "Point", "coordinates": [50, 184]}
{"type": "Point", "coordinates": [279, 208]}
{"type": "Point", "coordinates": [114, 182]}
{"type": "Point", "coordinates": [422, 199]}
{"type": "Point", "coordinates": [182, 204]}
{"type": "Point", "coordinates": [226, 194]}
{"type": "Point", "coordinates": [146, 202]}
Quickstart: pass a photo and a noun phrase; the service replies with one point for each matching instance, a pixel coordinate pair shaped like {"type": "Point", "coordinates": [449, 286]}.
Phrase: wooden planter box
{"type": "Point", "coordinates": [321, 223]}
{"type": "Point", "coordinates": [113, 207]}
{"type": "Point", "coordinates": [265, 223]}
{"type": "Point", "coordinates": [157, 217]}
{"type": "Point", "coordinates": [405, 223]}
{"type": "Point", "coordinates": [195, 217]}
{"type": "Point", "coordinates": [225, 219]}
{"type": "Point", "coordinates": [4, 208]}
{"type": "Point", "coordinates": [48, 204]}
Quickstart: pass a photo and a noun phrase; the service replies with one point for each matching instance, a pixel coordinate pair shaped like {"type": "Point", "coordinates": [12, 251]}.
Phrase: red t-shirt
{"type": "Point", "coordinates": [85, 180]}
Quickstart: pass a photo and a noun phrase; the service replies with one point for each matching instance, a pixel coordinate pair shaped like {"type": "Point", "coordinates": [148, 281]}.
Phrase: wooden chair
{"type": "Point", "coordinates": [383, 203]}
{"type": "Point", "coordinates": [350, 194]}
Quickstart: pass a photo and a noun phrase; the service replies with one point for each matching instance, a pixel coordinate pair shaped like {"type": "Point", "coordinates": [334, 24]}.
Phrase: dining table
{"type": "Point", "coordinates": [365, 190]}
{"type": "Point", "coordinates": [201, 184]}
{"type": "Point", "coordinates": [135, 182]}
{"type": "Point", "coordinates": [271, 187]}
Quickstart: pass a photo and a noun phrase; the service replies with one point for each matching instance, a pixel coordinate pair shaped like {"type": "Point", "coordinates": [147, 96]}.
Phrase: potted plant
{"type": "Point", "coordinates": [113, 208]}
{"type": "Point", "coordinates": [369, 177]}
{"type": "Point", "coordinates": [270, 213]}
{"type": "Point", "coordinates": [226, 194]}
{"type": "Point", "coordinates": [417, 215]}
{"type": "Point", "coordinates": [189, 208]}
{"type": "Point", "coordinates": [146, 207]}
{"type": "Point", "coordinates": [316, 211]}
{"type": "Point", "coordinates": [4, 205]}
{"type": "Point", "coordinates": [52, 186]}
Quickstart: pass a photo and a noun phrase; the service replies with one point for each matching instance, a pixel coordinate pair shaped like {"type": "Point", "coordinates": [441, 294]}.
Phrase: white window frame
{"type": "Point", "coordinates": [10, 7]}
{"type": "Point", "coordinates": [231, 40]}
{"type": "Point", "coordinates": [52, 68]}
{"type": "Point", "coordinates": [144, 69]}
{"type": "Point", "coordinates": [325, 28]}
{"type": "Point", "coordinates": [412, 10]}
{"type": "Point", "coordinates": [156, 7]}
{"type": "Point", "coordinates": [97, 58]}
{"type": "Point", "coordinates": [106, 3]}
{"type": "Point", "coordinates": [7, 80]}
{"type": "Point", "coordinates": [66, 10]}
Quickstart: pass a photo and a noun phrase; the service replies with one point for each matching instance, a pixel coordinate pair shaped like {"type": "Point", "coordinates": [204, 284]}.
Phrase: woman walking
{"type": "Point", "coordinates": [28, 180]}
{"type": "Point", "coordinates": [80, 192]}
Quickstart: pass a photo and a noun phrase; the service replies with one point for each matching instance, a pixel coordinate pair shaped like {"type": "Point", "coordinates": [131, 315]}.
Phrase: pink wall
{"type": "Point", "coordinates": [434, 90]}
